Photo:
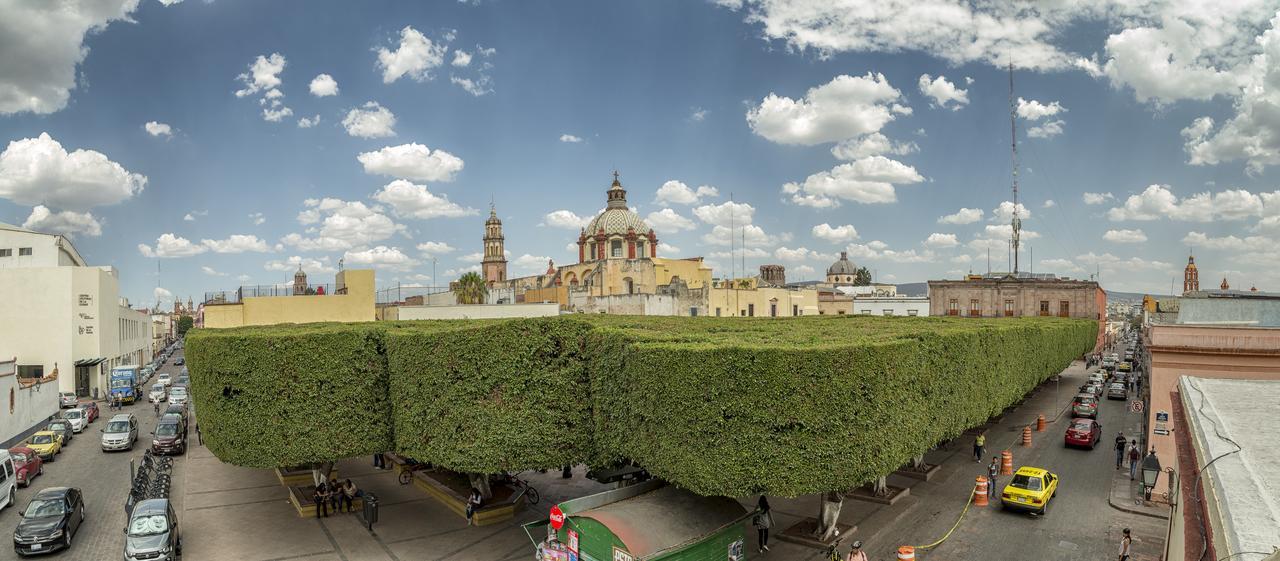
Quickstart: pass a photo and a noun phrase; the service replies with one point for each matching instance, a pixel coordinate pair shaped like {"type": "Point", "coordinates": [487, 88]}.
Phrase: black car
{"type": "Point", "coordinates": [182, 380]}
{"type": "Point", "coordinates": [180, 361]}
{"type": "Point", "coordinates": [50, 521]}
{"type": "Point", "coordinates": [61, 427]}
{"type": "Point", "coordinates": [170, 436]}
{"type": "Point", "coordinates": [180, 410]}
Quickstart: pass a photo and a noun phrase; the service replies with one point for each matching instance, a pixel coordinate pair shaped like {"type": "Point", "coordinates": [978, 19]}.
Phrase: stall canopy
{"type": "Point", "coordinates": [664, 519]}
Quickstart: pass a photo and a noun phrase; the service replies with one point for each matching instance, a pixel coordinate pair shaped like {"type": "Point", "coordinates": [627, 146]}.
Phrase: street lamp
{"type": "Point", "coordinates": [1150, 472]}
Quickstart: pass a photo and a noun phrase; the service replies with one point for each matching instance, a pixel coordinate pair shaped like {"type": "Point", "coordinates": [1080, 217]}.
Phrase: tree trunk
{"type": "Point", "coordinates": [320, 472]}
{"type": "Point", "coordinates": [481, 481]}
{"type": "Point", "coordinates": [881, 487]}
{"type": "Point", "coordinates": [917, 463]}
{"type": "Point", "coordinates": [829, 515]}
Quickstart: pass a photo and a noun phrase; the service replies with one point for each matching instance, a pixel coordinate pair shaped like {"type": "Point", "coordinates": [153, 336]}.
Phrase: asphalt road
{"type": "Point", "coordinates": [103, 477]}
{"type": "Point", "coordinates": [1078, 524]}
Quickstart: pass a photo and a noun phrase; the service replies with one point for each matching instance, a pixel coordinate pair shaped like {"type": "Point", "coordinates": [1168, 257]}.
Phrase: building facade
{"type": "Point", "coordinates": [352, 300]}
{"type": "Point", "coordinates": [62, 319]}
{"type": "Point", "coordinates": [1021, 295]}
{"type": "Point", "coordinates": [891, 305]}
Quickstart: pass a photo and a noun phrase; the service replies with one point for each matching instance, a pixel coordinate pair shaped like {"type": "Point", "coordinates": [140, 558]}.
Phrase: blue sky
{"type": "Point", "coordinates": [178, 136]}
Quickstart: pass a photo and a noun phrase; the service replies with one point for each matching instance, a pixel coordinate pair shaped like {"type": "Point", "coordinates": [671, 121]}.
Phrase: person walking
{"type": "Point", "coordinates": [473, 503]}
{"type": "Point", "coordinates": [1121, 444]}
{"type": "Point", "coordinates": [1134, 457]}
{"type": "Point", "coordinates": [379, 461]}
{"type": "Point", "coordinates": [993, 471]}
{"type": "Point", "coordinates": [1125, 543]}
{"type": "Point", "coordinates": [979, 446]}
{"type": "Point", "coordinates": [763, 520]}
{"type": "Point", "coordinates": [856, 553]}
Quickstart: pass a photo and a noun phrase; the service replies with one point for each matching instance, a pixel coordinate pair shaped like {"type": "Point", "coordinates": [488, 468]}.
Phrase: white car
{"type": "Point", "coordinates": [158, 393]}
{"type": "Point", "coordinates": [76, 418]}
{"type": "Point", "coordinates": [165, 379]}
{"type": "Point", "coordinates": [67, 399]}
{"type": "Point", "coordinates": [178, 395]}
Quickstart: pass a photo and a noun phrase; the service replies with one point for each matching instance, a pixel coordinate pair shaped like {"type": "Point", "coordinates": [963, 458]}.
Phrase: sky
{"type": "Point", "coordinates": [203, 145]}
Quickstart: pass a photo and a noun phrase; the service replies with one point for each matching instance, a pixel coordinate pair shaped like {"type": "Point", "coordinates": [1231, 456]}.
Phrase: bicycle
{"type": "Point", "coordinates": [525, 489]}
{"type": "Point", "coordinates": [410, 466]}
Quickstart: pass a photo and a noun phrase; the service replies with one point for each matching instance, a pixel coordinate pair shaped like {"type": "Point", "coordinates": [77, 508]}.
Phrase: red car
{"type": "Point", "coordinates": [1084, 433]}
{"type": "Point", "coordinates": [27, 463]}
{"type": "Point", "coordinates": [90, 411]}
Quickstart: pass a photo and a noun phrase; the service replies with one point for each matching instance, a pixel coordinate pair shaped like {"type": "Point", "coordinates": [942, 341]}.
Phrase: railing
{"type": "Point", "coordinates": [416, 295]}
{"type": "Point", "coordinates": [267, 290]}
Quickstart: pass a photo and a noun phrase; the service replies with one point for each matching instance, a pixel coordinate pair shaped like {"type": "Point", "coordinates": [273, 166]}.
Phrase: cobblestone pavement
{"type": "Point", "coordinates": [104, 479]}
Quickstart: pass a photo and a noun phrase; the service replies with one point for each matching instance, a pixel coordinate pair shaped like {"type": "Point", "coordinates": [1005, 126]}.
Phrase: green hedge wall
{"type": "Point", "coordinates": [289, 395]}
{"type": "Point", "coordinates": [728, 406]}
{"type": "Point", "coordinates": [502, 395]}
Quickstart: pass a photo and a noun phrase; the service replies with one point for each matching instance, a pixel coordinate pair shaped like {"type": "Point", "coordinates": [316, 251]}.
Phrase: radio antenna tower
{"type": "Point", "coordinates": [1013, 136]}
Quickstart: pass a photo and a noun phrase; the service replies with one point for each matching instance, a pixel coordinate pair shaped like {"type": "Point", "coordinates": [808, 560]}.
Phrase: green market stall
{"type": "Point", "coordinates": [649, 521]}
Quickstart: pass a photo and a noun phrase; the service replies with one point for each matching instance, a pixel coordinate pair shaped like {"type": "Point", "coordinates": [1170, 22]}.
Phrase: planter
{"type": "Point", "coordinates": [452, 490]}
{"type": "Point", "coordinates": [868, 494]}
{"type": "Point", "coordinates": [923, 475]}
{"type": "Point", "coordinates": [289, 476]}
{"type": "Point", "coordinates": [802, 533]}
{"type": "Point", "coordinates": [300, 497]}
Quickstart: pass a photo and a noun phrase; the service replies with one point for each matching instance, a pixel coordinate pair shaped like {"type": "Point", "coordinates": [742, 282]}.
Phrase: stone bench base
{"type": "Point", "coordinates": [492, 513]}
{"type": "Point", "coordinates": [300, 497]}
{"type": "Point", "coordinates": [300, 476]}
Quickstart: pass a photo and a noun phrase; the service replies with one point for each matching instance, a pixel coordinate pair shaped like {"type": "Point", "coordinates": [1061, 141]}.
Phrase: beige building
{"type": "Point", "coordinates": [1008, 295]}
{"type": "Point", "coordinates": [351, 299]}
{"type": "Point", "coordinates": [746, 298]}
{"type": "Point", "coordinates": [62, 319]}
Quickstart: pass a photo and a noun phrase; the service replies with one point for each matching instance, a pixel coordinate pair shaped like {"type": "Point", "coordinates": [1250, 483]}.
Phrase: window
{"type": "Point", "coordinates": [24, 251]}
{"type": "Point", "coordinates": [974, 308]}
{"type": "Point", "coordinates": [887, 312]}
{"type": "Point", "coordinates": [865, 312]}
{"type": "Point", "coordinates": [1064, 309]}
{"type": "Point", "coordinates": [693, 312]}
{"type": "Point", "coordinates": [640, 250]}
{"type": "Point", "coordinates": [717, 312]}
{"type": "Point", "coordinates": [751, 310]}
{"type": "Point", "coordinates": [31, 371]}
{"type": "Point", "coordinates": [773, 310]}
{"type": "Point", "coordinates": [913, 312]}
{"type": "Point", "coordinates": [795, 310]}
{"type": "Point", "coordinates": [839, 312]}
{"type": "Point", "coordinates": [6, 252]}
{"type": "Point", "coordinates": [615, 248]}
{"type": "Point", "coordinates": [1044, 307]}
{"type": "Point", "coordinates": [1008, 308]}
{"type": "Point", "coordinates": [953, 307]}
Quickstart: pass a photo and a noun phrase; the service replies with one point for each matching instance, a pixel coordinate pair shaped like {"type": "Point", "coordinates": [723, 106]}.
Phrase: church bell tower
{"type": "Point", "coordinates": [494, 265]}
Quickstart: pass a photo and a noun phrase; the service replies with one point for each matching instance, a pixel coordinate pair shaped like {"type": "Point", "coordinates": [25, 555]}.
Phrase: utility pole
{"type": "Point", "coordinates": [1013, 136]}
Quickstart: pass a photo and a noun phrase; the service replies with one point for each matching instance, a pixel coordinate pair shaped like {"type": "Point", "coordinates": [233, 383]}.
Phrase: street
{"type": "Point", "coordinates": [104, 479]}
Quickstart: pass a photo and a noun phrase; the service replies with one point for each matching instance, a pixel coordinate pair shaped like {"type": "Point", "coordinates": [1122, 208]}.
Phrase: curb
{"type": "Point", "coordinates": [1122, 508]}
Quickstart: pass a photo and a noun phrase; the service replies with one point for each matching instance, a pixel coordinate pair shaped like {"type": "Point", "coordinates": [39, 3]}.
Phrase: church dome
{"type": "Point", "coordinates": [617, 219]}
{"type": "Point", "coordinates": [842, 267]}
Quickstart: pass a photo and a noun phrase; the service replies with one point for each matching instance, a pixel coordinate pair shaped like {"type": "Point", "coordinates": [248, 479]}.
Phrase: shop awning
{"type": "Point", "coordinates": [666, 519]}
{"type": "Point", "coordinates": [90, 361]}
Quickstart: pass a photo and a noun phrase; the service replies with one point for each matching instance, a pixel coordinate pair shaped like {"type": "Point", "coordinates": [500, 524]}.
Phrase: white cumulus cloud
{"type": "Point", "coordinates": [1125, 236]}
{"type": "Point", "coordinates": [415, 56]}
{"type": "Point", "coordinates": [410, 200]}
{"type": "Point", "coordinates": [237, 243]}
{"type": "Point", "coordinates": [943, 92]}
{"type": "Point", "coordinates": [941, 241]}
{"type": "Point", "coordinates": [869, 180]}
{"type": "Point", "coordinates": [668, 220]}
{"type": "Point", "coordinates": [835, 234]}
{"type": "Point", "coordinates": [843, 108]}
{"type": "Point", "coordinates": [677, 192]}
{"type": "Point", "coordinates": [158, 129]}
{"type": "Point", "coordinates": [171, 246]}
{"type": "Point", "coordinates": [323, 85]}
{"type": "Point", "coordinates": [370, 121]}
{"type": "Point", "coordinates": [39, 171]}
{"type": "Point", "coordinates": [565, 219]}
{"type": "Point", "coordinates": [341, 225]}
{"type": "Point", "coordinates": [411, 161]}
{"type": "Point", "coordinates": [435, 249]}
{"type": "Point", "coordinates": [569, 138]}
{"type": "Point", "coordinates": [1097, 198]}
{"type": "Point", "coordinates": [67, 223]}
{"type": "Point", "coordinates": [380, 256]}
{"type": "Point", "coordinates": [963, 216]}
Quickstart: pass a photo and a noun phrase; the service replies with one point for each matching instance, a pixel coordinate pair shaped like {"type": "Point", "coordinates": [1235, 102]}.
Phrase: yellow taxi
{"type": "Point", "coordinates": [1030, 489]}
{"type": "Point", "coordinates": [46, 443]}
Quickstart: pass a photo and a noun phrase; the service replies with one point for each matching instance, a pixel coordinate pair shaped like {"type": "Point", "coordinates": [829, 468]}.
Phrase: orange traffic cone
{"type": "Point", "coordinates": [980, 492]}
{"type": "Point", "coordinates": [1026, 436]}
{"type": "Point", "coordinates": [1040, 423]}
{"type": "Point", "coordinates": [1006, 463]}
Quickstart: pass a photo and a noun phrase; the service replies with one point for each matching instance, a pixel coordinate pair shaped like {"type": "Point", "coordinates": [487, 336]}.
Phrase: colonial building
{"type": "Point", "coordinates": [494, 266]}
{"type": "Point", "coordinates": [842, 272]}
{"type": "Point", "coordinates": [1008, 295]}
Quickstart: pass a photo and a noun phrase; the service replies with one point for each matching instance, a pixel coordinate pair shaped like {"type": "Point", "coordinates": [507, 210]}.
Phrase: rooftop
{"type": "Point", "coordinates": [1243, 479]}
{"type": "Point", "coordinates": [1230, 307]}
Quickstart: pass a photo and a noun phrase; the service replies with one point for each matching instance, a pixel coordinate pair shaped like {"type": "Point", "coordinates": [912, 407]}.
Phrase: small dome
{"type": "Point", "coordinates": [842, 267]}
{"type": "Point", "coordinates": [617, 218]}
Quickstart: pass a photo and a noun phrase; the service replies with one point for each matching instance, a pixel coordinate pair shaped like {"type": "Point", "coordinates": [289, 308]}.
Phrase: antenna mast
{"type": "Point", "coordinates": [1013, 136]}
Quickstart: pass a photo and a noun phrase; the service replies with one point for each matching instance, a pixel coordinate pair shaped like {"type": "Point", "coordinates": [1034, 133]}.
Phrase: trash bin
{"type": "Point", "coordinates": [370, 510]}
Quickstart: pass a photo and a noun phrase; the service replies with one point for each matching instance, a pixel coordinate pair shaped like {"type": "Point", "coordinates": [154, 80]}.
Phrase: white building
{"type": "Point", "coordinates": [59, 315]}
{"type": "Point", "coordinates": [891, 305]}
{"type": "Point", "coordinates": [162, 331]}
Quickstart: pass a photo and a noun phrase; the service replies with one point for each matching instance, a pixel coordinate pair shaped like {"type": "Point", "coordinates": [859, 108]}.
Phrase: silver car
{"type": "Point", "coordinates": [152, 534]}
{"type": "Point", "coordinates": [120, 433]}
{"type": "Point", "coordinates": [1117, 391]}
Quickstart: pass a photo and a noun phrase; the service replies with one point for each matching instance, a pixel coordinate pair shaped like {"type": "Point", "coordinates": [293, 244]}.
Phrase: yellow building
{"type": "Point", "coordinates": [351, 299]}
{"type": "Point", "coordinates": [745, 298]}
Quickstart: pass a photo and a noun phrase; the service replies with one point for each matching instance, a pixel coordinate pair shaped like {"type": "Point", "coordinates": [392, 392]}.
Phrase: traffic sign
{"type": "Point", "coordinates": [1135, 406]}
{"type": "Point", "coordinates": [557, 517]}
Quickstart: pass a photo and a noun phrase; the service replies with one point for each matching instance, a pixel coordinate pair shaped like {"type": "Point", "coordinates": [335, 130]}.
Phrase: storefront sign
{"type": "Point", "coordinates": [1162, 423]}
{"type": "Point", "coordinates": [557, 517]}
{"type": "Point", "coordinates": [619, 555]}
{"type": "Point", "coordinates": [573, 542]}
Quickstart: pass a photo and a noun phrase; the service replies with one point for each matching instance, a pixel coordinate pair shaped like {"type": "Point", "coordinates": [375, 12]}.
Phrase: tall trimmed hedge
{"type": "Point", "coordinates": [288, 395]}
{"type": "Point", "coordinates": [718, 405]}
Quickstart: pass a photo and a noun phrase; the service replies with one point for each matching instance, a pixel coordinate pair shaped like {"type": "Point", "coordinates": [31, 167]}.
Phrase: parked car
{"type": "Point", "coordinates": [91, 411]}
{"type": "Point", "coordinates": [120, 433]}
{"type": "Point", "coordinates": [1030, 489]}
{"type": "Point", "coordinates": [67, 399]}
{"type": "Point", "coordinates": [26, 464]}
{"type": "Point", "coordinates": [1098, 377]}
{"type": "Point", "coordinates": [76, 418]}
{"type": "Point", "coordinates": [1124, 367]}
{"type": "Point", "coordinates": [178, 395]}
{"type": "Point", "coordinates": [164, 379]}
{"type": "Point", "coordinates": [158, 393]}
{"type": "Point", "coordinates": [180, 361]}
{"type": "Point", "coordinates": [152, 533]}
{"type": "Point", "coordinates": [46, 444]}
{"type": "Point", "coordinates": [180, 410]}
{"type": "Point", "coordinates": [50, 521]}
{"type": "Point", "coordinates": [147, 372]}
{"type": "Point", "coordinates": [183, 379]}
{"type": "Point", "coordinates": [62, 428]}
{"type": "Point", "coordinates": [7, 484]}
{"type": "Point", "coordinates": [1085, 405]}
{"type": "Point", "coordinates": [1117, 390]}
{"type": "Point", "coordinates": [170, 436]}
{"type": "Point", "coordinates": [1083, 432]}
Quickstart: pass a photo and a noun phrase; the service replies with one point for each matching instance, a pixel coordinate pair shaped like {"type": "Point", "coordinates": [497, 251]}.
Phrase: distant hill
{"type": "Point", "coordinates": [1125, 296]}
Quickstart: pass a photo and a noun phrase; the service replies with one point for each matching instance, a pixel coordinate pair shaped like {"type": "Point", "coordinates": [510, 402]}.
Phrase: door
{"type": "Point", "coordinates": [82, 381]}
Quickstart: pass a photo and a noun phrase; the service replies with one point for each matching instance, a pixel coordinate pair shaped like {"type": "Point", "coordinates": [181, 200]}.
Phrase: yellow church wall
{"type": "Point", "coordinates": [356, 305]}
{"type": "Point", "coordinates": [757, 302]}
{"type": "Point", "coordinates": [692, 271]}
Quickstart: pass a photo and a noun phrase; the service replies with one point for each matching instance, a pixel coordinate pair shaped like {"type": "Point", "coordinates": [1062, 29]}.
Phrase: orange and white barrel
{"type": "Point", "coordinates": [1006, 463]}
{"type": "Point", "coordinates": [906, 553]}
{"type": "Point", "coordinates": [980, 492]}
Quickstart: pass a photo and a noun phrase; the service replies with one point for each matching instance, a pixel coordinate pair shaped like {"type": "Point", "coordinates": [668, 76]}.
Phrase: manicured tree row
{"type": "Point", "coordinates": [289, 395]}
{"type": "Point", "coordinates": [741, 419]}
{"type": "Point", "coordinates": [507, 395]}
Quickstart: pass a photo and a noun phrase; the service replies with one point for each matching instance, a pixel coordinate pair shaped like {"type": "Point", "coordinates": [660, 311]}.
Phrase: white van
{"type": "Point", "coordinates": [8, 479]}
